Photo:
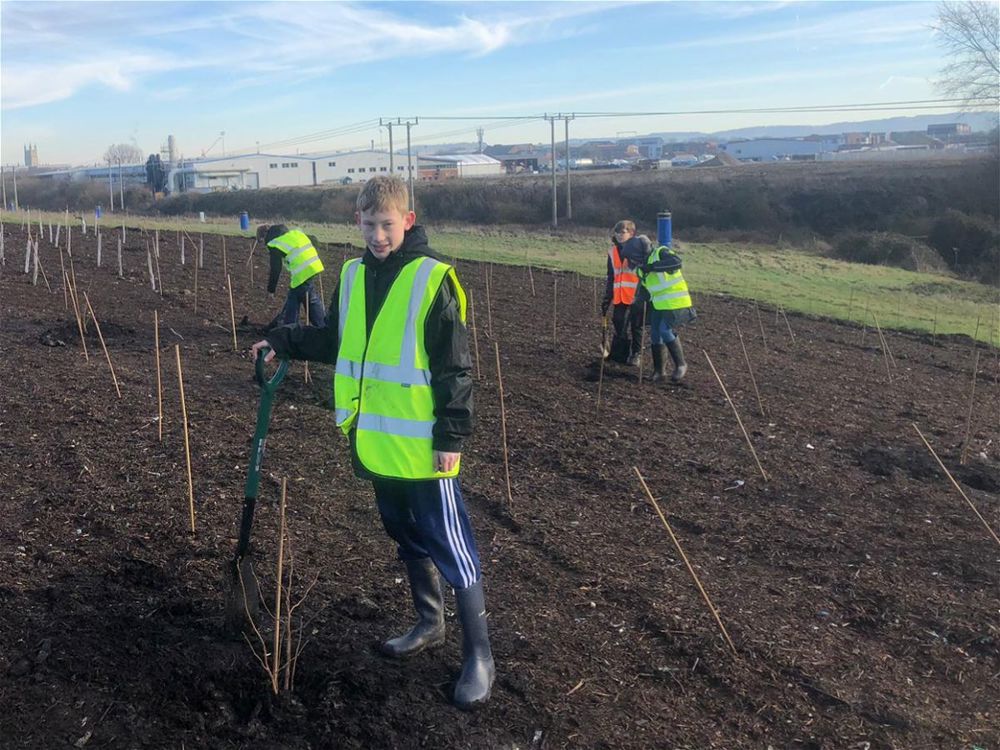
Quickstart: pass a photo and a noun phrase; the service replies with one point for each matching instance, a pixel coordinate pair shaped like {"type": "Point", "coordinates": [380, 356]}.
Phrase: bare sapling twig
{"type": "Point", "coordinates": [968, 419]}
{"type": "Point", "coordinates": [276, 668]}
{"type": "Point", "coordinates": [475, 334]}
{"type": "Point", "coordinates": [305, 367]}
{"type": "Point", "coordinates": [159, 380]}
{"type": "Point", "coordinates": [503, 431]}
{"type": "Point", "coordinates": [760, 322]}
{"type": "Point", "coordinates": [737, 415]}
{"type": "Point", "coordinates": [196, 265]}
{"type": "Point", "coordinates": [781, 309]}
{"type": "Point", "coordinates": [232, 311]}
{"type": "Point", "coordinates": [680, 550]}
{"type": "Point", "coordinates": [79, 323]}
{"type": "Point", "coordinates": [159, 276]}
{"type": "Point", "coordinates": [957, 487]}
{"type": "Point", "coordinates": [107, 355]}
{"type": "Point", "coordinates": [201, 250]}
{"type": "Point", "coordinates": [225, 260]}
{"type": "Point", "coordinates": [187, 442]}
{"type": "Point", "coordinates": [121, 270]}
{"type": "Point", "coordinates": [885, 347]}
{"type": "Point", "coordinates": [760, 404]}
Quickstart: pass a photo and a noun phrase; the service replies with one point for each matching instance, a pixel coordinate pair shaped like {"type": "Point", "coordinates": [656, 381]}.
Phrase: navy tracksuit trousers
{"type": "Point", "coordinates": [428, 519]}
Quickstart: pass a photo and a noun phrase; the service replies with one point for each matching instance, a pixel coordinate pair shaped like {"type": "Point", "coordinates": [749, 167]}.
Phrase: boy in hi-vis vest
{"type": "Point", "coordinates": [396, 332]}
{"type": "Point", "coordinates": [621, 294]}
{"type": "Point", "coordinates": [294, 250]}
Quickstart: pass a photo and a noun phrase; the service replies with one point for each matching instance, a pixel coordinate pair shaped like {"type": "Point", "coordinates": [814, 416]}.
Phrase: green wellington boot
{"type": "Point", "coordinates": [677, 355]}
{"type": "Point", "coordinates": [659, 362]}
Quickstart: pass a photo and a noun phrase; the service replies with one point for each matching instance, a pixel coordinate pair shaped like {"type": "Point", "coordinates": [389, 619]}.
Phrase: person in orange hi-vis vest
{"type": "Point", "coordinates": [622, 291]}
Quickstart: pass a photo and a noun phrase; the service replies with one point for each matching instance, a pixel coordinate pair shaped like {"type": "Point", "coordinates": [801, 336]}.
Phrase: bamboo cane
{"type": "Point", "coordinates": [968, 419]}
{"type": "Point", "coordinates": [180, 241]}
{"type": "Point", "coordinates": [503, 430]}
{"type": "Point", "coordinates": [489, 307]}
{"type": "Point", "coordinates": [275, 670]}
{"type": "Point", "coordinates": [531, 279]}
{"type": "Point", "coordinates": [232, 311]}
{"type": "Point", "coordinates": [187, 442]}
{"type": "Point", "coordinates": [677, 544]}
{"type": "Point", "coordinates": [62, 268]}
{"type": "Point", "coordinates": [555, 305]}
{"type": "Point", "coordinates": [149, 265]}
{"type": "Point", "coordinates": [104, 346]}
{"type": "Point", "coordinates": [957, 487]}
{"type": "Point", "coordinates": [196, 285]}
{"type": "Point", "coordinates": [305, 368]}
{"type": "Point", "coordinates": [475, 334]}
{"type": "Point", "coordinates": [156, 246]}
{"type": "Point", "coordinates": [642, 341]}
{"type": "Point", "coordinates": [760, 322]}
{"type": "Point", "coordinates": [201, 250]}
{"type": "Point", "coordinates": [737, 414]}
{"type": "Point", "coordinates": [79, 323]}
{"type": "Point", "coordinates": [600, 376]}
{"type": "Point", "coordinates": [99, 238]}
{"type": "Point", "coordinates": [753, 380]}
{"type": "Point", "coordinates": [159, 381]}
{"type": "Point", "coordinates": [34, 257]}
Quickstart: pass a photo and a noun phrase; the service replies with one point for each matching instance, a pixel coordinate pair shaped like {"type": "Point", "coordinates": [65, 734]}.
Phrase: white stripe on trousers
{"type": "Point", "coordinates": [453, 528]}
{"type": "Point", "coordinates": [453, 484]}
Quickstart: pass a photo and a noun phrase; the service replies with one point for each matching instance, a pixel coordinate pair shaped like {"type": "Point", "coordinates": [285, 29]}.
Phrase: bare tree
{"type": "Point", "coordinates": [124, 153]}
{"type": "Point", "coordinates": [970, 35]}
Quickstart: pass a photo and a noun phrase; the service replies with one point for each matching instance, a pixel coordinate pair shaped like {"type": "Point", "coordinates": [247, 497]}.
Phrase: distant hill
{"type": "Point", "coordinates": [982, 121]}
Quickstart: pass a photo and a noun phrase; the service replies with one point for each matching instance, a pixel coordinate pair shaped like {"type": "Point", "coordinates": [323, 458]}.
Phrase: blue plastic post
{"type": "Point", "coordinates": [664, 229]}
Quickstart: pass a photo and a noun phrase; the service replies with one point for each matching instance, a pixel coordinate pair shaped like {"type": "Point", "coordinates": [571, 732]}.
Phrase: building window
{"type": "Point", "coordinates": [350, 170]}
{"type": "Point", "coordinates": [284, 165]}
{"type": "Point", "coordinates": [331, 163]}
{"type": "Point", "coordinates": [273, 166]}
{"type": "Point", "coordinates": [294, 164]}
{"type": "Point", "coordinates": [383, 169]}
{"type": "Point", "coordinates": [371, 169]}
{"type": "Point", "coordinates": [400, 168]}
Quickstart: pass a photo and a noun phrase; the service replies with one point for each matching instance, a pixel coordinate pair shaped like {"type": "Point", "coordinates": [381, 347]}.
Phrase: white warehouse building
{"type": "Point", "coordinates": [255, 171]}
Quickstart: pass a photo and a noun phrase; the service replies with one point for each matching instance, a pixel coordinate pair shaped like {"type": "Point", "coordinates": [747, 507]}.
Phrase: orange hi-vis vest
{"type": "Point", "coordinates": [626, 280]}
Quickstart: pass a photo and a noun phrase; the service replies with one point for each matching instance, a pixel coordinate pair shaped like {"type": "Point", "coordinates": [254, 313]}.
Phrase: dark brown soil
{"type": "Point", "coordinates": [859, 589]}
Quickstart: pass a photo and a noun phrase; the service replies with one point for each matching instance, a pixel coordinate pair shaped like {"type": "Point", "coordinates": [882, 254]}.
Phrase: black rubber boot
{"type": "Point", "coordinates": [429, 603]}
{"type": "Point", "coordinates": [478, 671]}
{"type": "Point", "coordinates": [677, 355]}
{"type": "Point", "coordinates": [659, 362]}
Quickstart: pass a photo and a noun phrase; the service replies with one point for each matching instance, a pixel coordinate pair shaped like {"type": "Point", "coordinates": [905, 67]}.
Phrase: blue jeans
{"type": "Point", "coordinates": [302, 295]}
{"type": "Point", "coordinates": [660, 331]}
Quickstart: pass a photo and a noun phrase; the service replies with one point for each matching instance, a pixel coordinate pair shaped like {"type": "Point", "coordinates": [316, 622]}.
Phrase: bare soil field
{"type": "Point", "coordinates": [860, 591]}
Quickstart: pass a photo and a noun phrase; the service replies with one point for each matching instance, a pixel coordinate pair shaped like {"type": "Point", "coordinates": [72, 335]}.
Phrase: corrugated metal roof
{"type": "Point", "coordinates": [463, 158]}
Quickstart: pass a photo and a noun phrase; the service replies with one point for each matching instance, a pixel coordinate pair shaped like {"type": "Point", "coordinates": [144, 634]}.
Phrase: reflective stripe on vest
{"type": "Point", "coordinates": [382, 384]}
{"type": "Point", "coordinates": [626, 281]}
{"type": "Point", "coordinates": [301, 259]}
{"type": "Point", "coordinates": [667, 291]}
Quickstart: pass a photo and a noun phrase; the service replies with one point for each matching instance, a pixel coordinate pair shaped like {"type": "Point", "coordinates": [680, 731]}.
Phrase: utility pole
{"type": "Point", "coordinates": [569, 201]}
{"type": "Point", "coordinates": [553, 165]}
{"type": "Point", "coordinates": [409, 158]}
{"type": "Point", "coordinates": [392, 159]}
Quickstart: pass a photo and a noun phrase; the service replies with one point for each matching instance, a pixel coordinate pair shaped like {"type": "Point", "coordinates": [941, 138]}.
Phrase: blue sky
{"type": "Point", "coordinates": [79, 76]}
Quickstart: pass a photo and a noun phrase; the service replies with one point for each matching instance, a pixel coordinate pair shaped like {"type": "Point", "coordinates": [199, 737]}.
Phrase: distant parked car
{"type": "Point", "coordinates": [346, 180]}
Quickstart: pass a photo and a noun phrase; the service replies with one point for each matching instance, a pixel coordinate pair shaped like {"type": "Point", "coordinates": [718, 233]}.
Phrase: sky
{"type": "Point", "coordinates": [288, 77]}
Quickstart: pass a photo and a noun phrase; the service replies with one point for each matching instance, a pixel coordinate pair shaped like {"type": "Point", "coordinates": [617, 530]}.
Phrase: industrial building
{"type": "Point", "coordinates": [772, 149]}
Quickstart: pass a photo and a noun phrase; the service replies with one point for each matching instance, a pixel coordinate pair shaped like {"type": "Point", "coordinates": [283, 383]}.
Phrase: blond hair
{"type": "Point", "coordinates": [384, 194]}
{"type": "Point", "coordinates": [625, 225]}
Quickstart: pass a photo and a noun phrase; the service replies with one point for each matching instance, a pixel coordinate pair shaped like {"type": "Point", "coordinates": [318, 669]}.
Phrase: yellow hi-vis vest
{"type": "Point", "coordinates": [667, 291]}
{"type": "Point", "coordinates": [301, 259]}
{"type": "Point", "coordinates": [382, 384]}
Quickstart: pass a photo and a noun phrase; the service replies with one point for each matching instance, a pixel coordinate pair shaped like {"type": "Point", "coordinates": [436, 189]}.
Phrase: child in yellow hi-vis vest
{"type": "Point", "coordinates": [403, 395]}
